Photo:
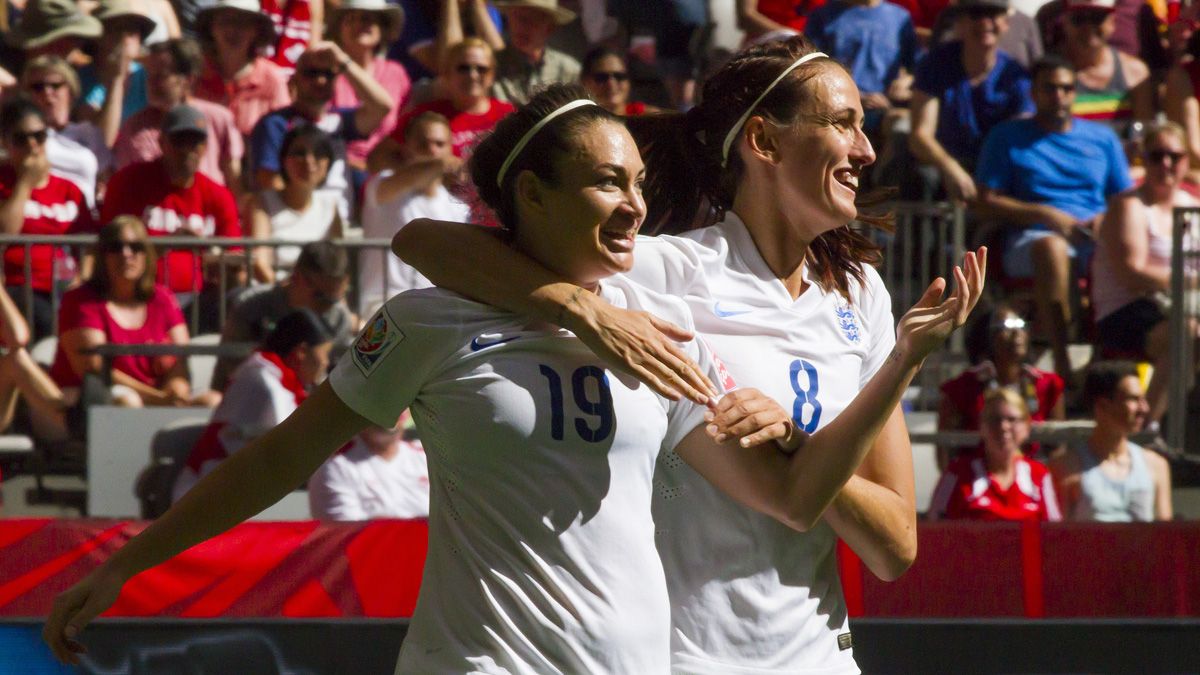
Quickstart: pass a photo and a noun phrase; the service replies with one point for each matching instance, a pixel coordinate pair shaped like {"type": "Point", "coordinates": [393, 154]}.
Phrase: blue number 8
{"type": "Point", "coordinates": [805, 395]}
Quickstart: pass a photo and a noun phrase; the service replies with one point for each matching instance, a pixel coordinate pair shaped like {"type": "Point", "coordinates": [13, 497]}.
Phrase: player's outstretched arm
{"type": "Point", "coordinates": [470, 260]}
{"type": "Point", "coordinates": [255, 477]}
{"type": "Point", "coordinates": [797, 489]}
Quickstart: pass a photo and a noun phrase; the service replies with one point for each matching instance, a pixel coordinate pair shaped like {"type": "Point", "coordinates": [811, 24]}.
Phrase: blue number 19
{"type": "Point", "coordinates": [601, 410]}
{"type": "Point", "coordinates": [805, 395]}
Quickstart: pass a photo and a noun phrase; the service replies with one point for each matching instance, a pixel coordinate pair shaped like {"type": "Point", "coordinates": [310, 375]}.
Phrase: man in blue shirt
{"type": "Point", "coordinates": [1049, 179]}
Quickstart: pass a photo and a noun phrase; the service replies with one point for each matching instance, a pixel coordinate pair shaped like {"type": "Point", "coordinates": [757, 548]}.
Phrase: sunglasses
{"type": "Point", "coordinates": [23, 137]}
{"type": "Point", "coordinates": [120, 246]}
{"type": "Point", "coordinates": [47, 85]}
{"type": "Point", "coordinates": [1157, 156]}
{"type": "Point", "coordinates": [469, 68]}
{"type": "Point", "coordinates": [316, 73]}
{"type": "Point", "coordinates": [603, 77]}
{"type": "Point", "coordinates": [304, 152]}
{"type": "Point", "coordinates": [1065, 88]}
{"type": "Point", "coordinates": [1087, 17]}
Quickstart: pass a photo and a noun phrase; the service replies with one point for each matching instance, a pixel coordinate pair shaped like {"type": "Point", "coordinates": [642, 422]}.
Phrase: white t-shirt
{"type": "Point", "coordinates": [311, 224]}
{"type": "Point", "coordinates": [360, 485]}
{"type": "Point", "coordinates": [541, 546]}
{"type": "Point", "coordinates": [382, 220]}
{"type": "Point", "coordinates": [73, 161]}
{"type": "Point", "coordinates": [750, 595]}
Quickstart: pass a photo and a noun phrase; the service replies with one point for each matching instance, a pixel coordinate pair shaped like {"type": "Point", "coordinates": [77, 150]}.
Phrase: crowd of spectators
{"type": "Point", "coordinates": [1068, 130]}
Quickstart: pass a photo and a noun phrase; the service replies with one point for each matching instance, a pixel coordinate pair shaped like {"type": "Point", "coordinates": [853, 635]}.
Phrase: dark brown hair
{"type": "Point", "coordinates": [550, 142]}
{"type": "Point", "coordinates": [111, 233]}
{"type": "Point", "coordinates": [685, 177]}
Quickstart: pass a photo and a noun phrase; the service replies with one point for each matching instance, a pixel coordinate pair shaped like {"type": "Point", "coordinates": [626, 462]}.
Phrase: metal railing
{"type": "Point", "coordinates": [928, 241]}
{"type": "Point", "coordinates": [1185, 310]}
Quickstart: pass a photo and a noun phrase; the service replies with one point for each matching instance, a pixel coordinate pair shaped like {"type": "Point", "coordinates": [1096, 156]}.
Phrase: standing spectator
{"type": "Point", "coordinates": [1133, 263]}
{"type": "Point", "coordinates": [299, 24]}
{"type": "Point", "coordinates": [266, 388]}
{"type": "Point", "coordinates": [77, 150]}
{"type": "Point", "coordinates": [422, 42]}
{"type": "Point", "coordinates": [313, 84]}
{"type": "Point", "coordinates": [1048, 180]}
{"type": "Point", "coordinates": [378, 475]}
{"type": "Point", "coordinates": [472, 112]}
{"type": "Point", "coordinates": [1004, 366]}
{"type": "Point", "coordinates": [300, 211]}
{"type": "Point", "coordinates": [34, 201]}
{"type": "Point", "coordinates": [1109, 478]}
{"type": "Point", "coordinates": [527, 64]}
{"type": "Point", "coordinates": [172, 196]}
{"type": "Point", "coordinates": [55, 27]}
{"type": "Point", "coordinates": [121, 304]}
{"type": "Point", "coordinates": [1002, 483]}
{"type": "Point", "coordinates": [1111, 87]}
{"type": "Point", "coordinates": [605, 75]}
{"type": "Point", "coordinates": [364, 29]}
{"type": "Point", "coordinates": [961, 90]}
{"type": "Point", "coordinates": [876, 42]}
{"type": "Point", "coordinates": [318, 283]}
{"type": "Point", "coordinates": [395, 198]}
{"type": "Point", "coordinates": [172, 68]}
{"type": "Point", "coordinates": [234, 35]}
{"type": "Point", "coordinates": [114, 87]}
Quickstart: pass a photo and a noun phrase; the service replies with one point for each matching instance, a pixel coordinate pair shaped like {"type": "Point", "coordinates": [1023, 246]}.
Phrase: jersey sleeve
{"type": "Point", "coordinates": [666, 264]}
{"type": "Point", "coordinates": [397, 352]}
{"type": "Point", "coordinates": [881, 325]}
{"type": "Point", "coordinates": [685, 415]}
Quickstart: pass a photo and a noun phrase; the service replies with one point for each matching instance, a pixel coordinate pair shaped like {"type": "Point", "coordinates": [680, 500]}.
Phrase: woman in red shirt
{"type": "Point", "coordinates": [32, 201]}
{"type": "Point", "coordinates": [122, 304]}
{"type": "Point", "coordinates": [605, 75]}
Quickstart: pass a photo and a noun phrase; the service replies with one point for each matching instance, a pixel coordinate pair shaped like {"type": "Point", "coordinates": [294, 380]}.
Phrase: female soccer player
{"type": "Point", "coordinates": [784, 291]}
{"type": "Point", "coordinates": [541, 555]}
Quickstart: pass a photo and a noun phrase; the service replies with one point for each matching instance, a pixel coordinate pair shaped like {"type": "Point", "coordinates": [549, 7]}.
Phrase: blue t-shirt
{"type": "Point", "coordinates": [266, 140]}
{"type": "Point", "coordinates": [873, 42]}
{"type": "Point", "coordinates": [418, 30]}
{"type": "Point", "coordinates": [966, 114]}
{"type": "Point", "coordinates": [1075, 171]}
{"type": "Point", "coordinates": [94, 92]}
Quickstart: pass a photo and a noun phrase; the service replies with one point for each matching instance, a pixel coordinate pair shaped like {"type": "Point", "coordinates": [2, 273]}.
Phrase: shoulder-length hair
{"type": "Point", "coordinates": [110, 233]}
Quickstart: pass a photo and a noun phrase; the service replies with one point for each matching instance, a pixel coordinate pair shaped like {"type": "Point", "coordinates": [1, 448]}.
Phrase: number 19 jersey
{"type": "Point", "coordinates": [541, 545]}
{"type": "Point", "coordinates": [748, 594]}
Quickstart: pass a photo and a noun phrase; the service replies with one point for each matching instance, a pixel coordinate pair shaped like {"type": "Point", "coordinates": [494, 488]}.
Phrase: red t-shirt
{"type": "Point", "coordinates": [790, 13]}
{"type": "Point", "coordinates": [465, 128]}
{"type": "Point", "coordinates": [205, 209]}
{"type": "Point", "coordinates": [966, 491]}
{"type": "Point", "coordinates": [57, 208]}
{"type": "Point", "coordinates": [293, 30]}
{"type": "Point", "coordinates": [84, 308]}
{"type": "Point", "coordinates": [924, 12]}
{"type": "Point", "coordinates": [1040, 389]}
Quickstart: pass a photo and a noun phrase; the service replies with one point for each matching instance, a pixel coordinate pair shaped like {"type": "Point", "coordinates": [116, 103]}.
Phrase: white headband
{"type": "Point", "coordinates": [516, 151]}
{"type": "Point", "coordinates": [746, 115]}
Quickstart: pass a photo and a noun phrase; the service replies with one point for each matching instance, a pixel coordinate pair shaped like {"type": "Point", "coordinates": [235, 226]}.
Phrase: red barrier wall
{"type": "Point", "coordinates": [373, 569]}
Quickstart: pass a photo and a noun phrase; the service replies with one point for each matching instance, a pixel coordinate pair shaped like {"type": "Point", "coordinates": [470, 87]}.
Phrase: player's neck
{"type": "Point", "coordinates": [782, 247]}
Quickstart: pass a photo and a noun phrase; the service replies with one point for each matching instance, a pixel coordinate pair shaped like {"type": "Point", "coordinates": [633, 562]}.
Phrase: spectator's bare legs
{"type": "Point", "coordinates": [20, 374]}
{"type": "Point", "coordinates": [1051, 287]}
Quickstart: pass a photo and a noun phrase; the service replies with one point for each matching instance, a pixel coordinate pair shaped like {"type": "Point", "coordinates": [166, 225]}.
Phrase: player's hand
{"type": "Point", "coordinates": [642, 345]}
{"type": "Point", "coordinates": [75, 608]}
{"type": "Point", "coordinates": [753, 418]}
{"type": "Point", "coordinates": [927, 325]}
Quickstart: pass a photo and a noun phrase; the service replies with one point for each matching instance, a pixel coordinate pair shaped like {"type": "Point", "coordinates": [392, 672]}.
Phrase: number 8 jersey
{"type": "Point", "coordinates": [541, 545]}
{"type": "Point", "coordinates": [748, 594]}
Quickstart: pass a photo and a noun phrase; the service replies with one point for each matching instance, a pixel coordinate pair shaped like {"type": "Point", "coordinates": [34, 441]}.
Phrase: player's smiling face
{"type": "Point", "coordinates": [583, 223]}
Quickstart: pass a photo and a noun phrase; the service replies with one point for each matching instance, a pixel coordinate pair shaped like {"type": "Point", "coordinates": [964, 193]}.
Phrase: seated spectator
{"type": "Point", "coordinates": [605, 75]}
{"type": "Point", "coordinates": [1022, 41]}
{"type": "Point", "coordinates": [267, 387]}
{"type": "Point", "coordinates": [171, 196]}
{"type": "Point", "coordinates": [1108, 478]}
{"type": "Point", "coordinates": [1002, 483]}
{"type": "Point", "coordinates": [121, 304]}
{"type": "Point", "coordinates": [394, 198]}
{"type": "Point", "coordinates": [77, 150]}
{"type": "Point", "coordinates": [299, 24]}
{"type": "Point", "coordinates": [171, 69]}
{"type": "Point", "coordinates": [469, 107]}
{"type": "Point", "coordinates": [876, 42]}
{"type": "Point", "coordinates": [57, 27]}
{"type": "Point", "coordinates": [1004, 365]}
{"type": "Point", "coordinates": [318, 283]}
{"type": "Point", "coordinates": [312, 86]}
{"type": "Point", "coordinates": [1132, 273]}
{"type": "Point", "coordinates": [963, 89]}
{"type": "Point", "coordinates": [19, 374]}
{"type": "Point", "coordinates": [300, 211]}
{"type": "Point", "coordinates": [234, 35]}
{"type": "Point", "coordinates": [35, 201]}
{"type": "Point", "coordinates": [1112, 87]}
{"type": "Point", "coordinates": [364, 29]}
{"type": "Point", "coordinates": [378, 475]}
{"type": "Point", "coordinates": [527, 64]}
{"type": "Point", "coordinates": [1047, 179]}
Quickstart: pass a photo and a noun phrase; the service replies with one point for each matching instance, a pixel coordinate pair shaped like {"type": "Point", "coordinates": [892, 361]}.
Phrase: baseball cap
{"type": "Point", "coordinates": [184, 118]}
{"type": "Point", "coordinates": [1105, 5]}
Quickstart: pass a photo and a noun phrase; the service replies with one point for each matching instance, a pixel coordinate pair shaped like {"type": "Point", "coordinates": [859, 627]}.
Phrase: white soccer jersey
{"type": "Point", "coordinates": [541, 546]}
{"type": "Point", "coordinates": [750, 595]}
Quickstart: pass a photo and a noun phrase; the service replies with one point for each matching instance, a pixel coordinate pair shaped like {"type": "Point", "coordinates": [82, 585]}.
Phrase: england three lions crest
{"type": "Point", "coordinates": [848, 322]}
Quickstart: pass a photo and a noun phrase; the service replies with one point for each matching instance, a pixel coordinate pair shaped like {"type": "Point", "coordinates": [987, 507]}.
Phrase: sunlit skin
{"type": "Point", "coordinates": [233, 36]}
{"type": "Point", "coordinates": [528, 30]}
{"type": "Point", "coordinates": [362, 29]}
{"type": "Point", "coordinates": [165, 88]}
{"type": "Point", "coordinates": [21, 143]}
{"type": "Point", "coordinates": [613, 94]}
{"type": "Point", "coordinates": [469, 79]}
{"type": "Point", "coordinates": [304, 167]}
{"type": "Point", "coordinates": [182, 153]}
{"type": "Point", "coordinates": [1089, 28]}
{"type": "Point", "coordinates": [982, 27]}
{"type": "Point", "coordinates": [1126, 410]}
{"type": "Point", "coordinates": [310, 362]}
{"type": "Point", "coordinates": [597, 190]}
{"type": "Point", "coordinates": [430, 140]}
{"type": "Point", "coordinates": [1053, 96]}
{"type": "Point", "coordinates": [1009, 345]}
{"type": "Point", "coordinates": [126, 266]}
{"type": "Point", "coordinates": [1166, 162]}
{"type": "Point", "coordinates": [1005, 429]}
{"type": "Point", "coordinates": [50, 92]}
{"type": "Point", "coordinates": [314, 78]}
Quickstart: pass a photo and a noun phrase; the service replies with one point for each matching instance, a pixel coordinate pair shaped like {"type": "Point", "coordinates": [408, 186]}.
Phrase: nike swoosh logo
{"type": "Point", "coordinates": [476, 345]}
{"type": "Point", "coordinates": [724, 313]}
